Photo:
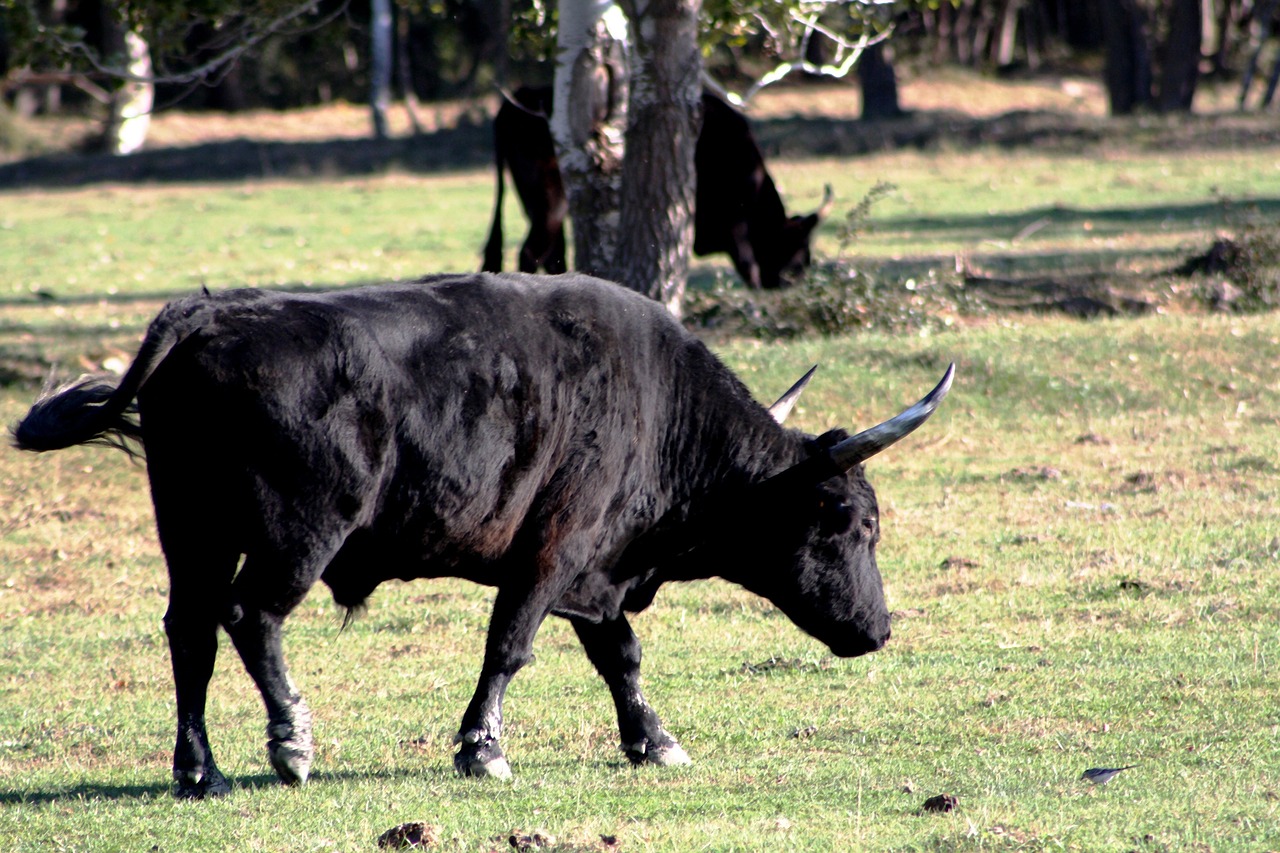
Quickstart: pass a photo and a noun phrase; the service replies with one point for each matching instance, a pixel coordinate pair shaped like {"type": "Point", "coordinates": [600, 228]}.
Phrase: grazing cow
{"type": "Point", "coordinates": [561, 438]}
{"type": "Point", "coordinates": [737, 208]}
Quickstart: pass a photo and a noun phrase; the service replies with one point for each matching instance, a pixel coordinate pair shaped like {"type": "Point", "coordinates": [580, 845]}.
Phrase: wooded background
{"type": "Point", "coordinates": [627, 73]}
{"type": "Point", "coordinates": [1151, 53]}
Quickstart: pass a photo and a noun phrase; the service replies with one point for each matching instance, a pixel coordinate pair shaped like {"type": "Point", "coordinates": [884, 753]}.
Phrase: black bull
{"type": "Point", "coordinates": [562, 439]}
{"type": "Point", "coordinates": [737, 208]}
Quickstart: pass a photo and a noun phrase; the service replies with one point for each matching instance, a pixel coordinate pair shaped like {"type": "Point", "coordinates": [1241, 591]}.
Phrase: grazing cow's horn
{"type": "Point", "coordinates": [869, 442]}
{"type": "Point", "coordinates": [828, 201]}
{"type": "Point", "coordinates": [784, 404]}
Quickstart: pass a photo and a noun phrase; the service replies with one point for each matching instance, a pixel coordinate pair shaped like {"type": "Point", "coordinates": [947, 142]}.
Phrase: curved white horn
{"type": "Point", "coordinates": [869, 442]}
{"type": "Point", "coordinates": [782, 407]}
{"type": "Point", "coordinates": [828, 202]}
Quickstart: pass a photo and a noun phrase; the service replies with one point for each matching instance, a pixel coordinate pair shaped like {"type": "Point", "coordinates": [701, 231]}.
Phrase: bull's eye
{"type": "Point", "coordinates": [837, 517]}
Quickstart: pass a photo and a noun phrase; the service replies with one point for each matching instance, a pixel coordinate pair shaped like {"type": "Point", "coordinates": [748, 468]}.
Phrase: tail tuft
{"type": "Point", "coordinates": [78, 413]}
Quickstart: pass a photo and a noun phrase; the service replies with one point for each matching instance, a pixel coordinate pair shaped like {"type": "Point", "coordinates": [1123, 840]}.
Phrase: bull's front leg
{"type": "Point", "coordinates": [517, 614]}
{"type": "Point", "coordinates": [614, 650]}
{"type": "Point", "coordinates": [743, 255]}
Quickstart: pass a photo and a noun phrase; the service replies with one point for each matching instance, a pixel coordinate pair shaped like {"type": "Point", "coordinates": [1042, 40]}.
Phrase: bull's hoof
{"type": "Point", "coordinates": [289, 745]}
{"type": "Point", "coordinates": [662, 753]}
{"type": "Point", "coordinates": [290, 760]}
{"type": "Point", "coordinates": [492, 768]}
{"type": "Point", "coordinates": [481, 757]}
{"type": "Point", "coordinates": [671, 755]}
{"type": "Point", "coordinates": [197, 786]}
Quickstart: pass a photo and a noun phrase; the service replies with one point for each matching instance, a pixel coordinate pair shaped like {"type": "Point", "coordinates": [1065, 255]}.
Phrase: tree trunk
{"type": "Point", "coordinates": [404, 71]}
{"type": "Point", "coordinates": [588, 122]}
{"type": "Point", "coordinates": [1272, 82]}
{"type": "Point", "coordinates": [1082, 23]}
{"type": "Point", "coordinates": [380, 65]}
{"type": "Point", "coordinates": [1007, 42]}
{"type": "Point", "coordinates": [658, 178]}
{"type": "Point", "coordinates": [1180, 60]}
{"type": "Point", "coordinates": [1220, 53]}
{"type": "Point", "coordinates": [1128, 65]}
{"type": "Point", "coordinates": [129, 110]}
{"type": "Point", "coordinates": [879, 84]}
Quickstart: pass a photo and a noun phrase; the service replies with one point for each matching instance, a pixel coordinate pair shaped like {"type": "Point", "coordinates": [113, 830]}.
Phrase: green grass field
{"type": "Point", "coordinates": [1080, 549]}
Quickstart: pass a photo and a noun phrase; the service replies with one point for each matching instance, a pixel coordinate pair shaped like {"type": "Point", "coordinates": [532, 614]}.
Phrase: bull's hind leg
{"type": "Point", "coordinates": [198, 586]}
{"type": "Point", "coordinates": [264, 593]}
{"type": "Point", "coordinates": [517, 613]}
{"type": "Point", "coordinates": [614, 650]}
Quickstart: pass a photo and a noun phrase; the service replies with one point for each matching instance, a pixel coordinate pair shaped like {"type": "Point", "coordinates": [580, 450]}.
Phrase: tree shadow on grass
{"type": "Point", "coordinates": [466, 146]}
{"type": "Point", "coordinates": [52, 298]}
{"type": "Point", "coordinates": [1016, 225]}
{"type": "Point", "coordinates": [470, 145]}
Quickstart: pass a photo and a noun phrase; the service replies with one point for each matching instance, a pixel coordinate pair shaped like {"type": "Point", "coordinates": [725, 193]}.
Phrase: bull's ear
{"type": "Point", "coordinates": [869, 442]}
{"type": "Point", "coordinates": [782, 407]}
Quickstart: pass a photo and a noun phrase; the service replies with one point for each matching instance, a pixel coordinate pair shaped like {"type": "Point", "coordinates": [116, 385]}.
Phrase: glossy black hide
{"type": "Point", "coordinates": [561, 439]}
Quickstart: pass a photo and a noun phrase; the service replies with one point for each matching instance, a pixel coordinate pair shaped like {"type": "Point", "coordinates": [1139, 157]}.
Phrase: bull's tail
{"type": "Point", "coordinates": [95, 409]}
{"type": "Point", "coordinates": [493, 249]}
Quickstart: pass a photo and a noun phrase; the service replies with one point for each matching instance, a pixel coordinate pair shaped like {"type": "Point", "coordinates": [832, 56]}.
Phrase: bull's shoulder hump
{"type": "Point", "coordinates": [542, 296]}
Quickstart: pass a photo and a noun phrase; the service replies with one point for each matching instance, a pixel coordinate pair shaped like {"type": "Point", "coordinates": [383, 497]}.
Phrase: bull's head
{"type": "Point", "coordinates": [817, 560]}
{"type": "Point", "coordinates": [805, 538]}
{"type": "Point", "coordinates": [790, 254]}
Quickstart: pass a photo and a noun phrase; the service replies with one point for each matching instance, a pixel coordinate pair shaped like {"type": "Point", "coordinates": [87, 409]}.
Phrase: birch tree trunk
{"type": "Point", "coordinates": [129, 110]}
{"type": "Point", "coordinates": [588, 122]}
{"type": "Point", "coordinates": [659, 182]}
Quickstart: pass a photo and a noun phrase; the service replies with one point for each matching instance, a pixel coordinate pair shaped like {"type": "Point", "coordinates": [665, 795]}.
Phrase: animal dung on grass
{"type": "Point", "coordinates": [940, 804]}
{"type": "Point", "coordinates": [410, 835]}
{"type": "Point", "coordinates": [561, 438]}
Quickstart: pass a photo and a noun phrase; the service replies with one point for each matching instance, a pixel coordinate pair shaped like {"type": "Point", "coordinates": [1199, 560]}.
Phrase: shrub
{"type": "Point", "coordinates": [1243, 272]}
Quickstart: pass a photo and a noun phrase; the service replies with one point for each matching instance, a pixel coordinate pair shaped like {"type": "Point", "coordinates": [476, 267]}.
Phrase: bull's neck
{"type": "Point", "coordinates": [727, 452]}
{"type": "Point", "coordinates": [717, 482]}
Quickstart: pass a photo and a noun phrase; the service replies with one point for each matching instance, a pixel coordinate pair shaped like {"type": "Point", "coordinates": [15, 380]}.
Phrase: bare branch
{"type": "Point", "coordinates": [19, 77]}
{"type": "Point", "coordinates": [782, 69]}
{"type": "Point", "coordinates": [193, 75]}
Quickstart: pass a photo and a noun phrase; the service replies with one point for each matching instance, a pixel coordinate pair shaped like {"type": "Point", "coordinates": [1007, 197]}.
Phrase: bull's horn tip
{"type": "Point", "coordinates": [869, 442]}
{"type": "Point", "coordinates": [782, 408]}
{"type": "Point", "coordinates": [828, 201]}
{"type": "Point", "coordinates": [940, 391]}
{"type": "Point", "coordinates": [945, 385]}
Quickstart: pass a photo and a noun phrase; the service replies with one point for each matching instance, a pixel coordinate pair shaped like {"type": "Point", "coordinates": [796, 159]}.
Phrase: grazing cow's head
{"type": "Point", "coordinates": [826, 533]}
{"type": "Point", "coordinates": [788, 254]}
{"type": "Point", "coordinates": [815, 553]}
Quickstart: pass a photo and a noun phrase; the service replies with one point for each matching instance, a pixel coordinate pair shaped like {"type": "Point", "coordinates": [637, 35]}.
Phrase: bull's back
{"type": "Point", "coordinates": [443, 407]}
